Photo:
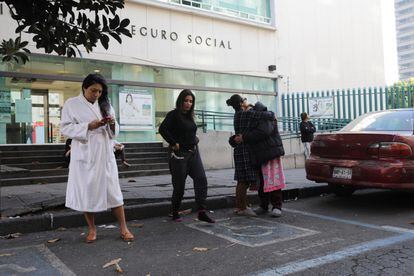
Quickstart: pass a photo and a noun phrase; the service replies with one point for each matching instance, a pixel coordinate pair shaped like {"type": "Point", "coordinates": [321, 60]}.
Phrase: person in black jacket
{"type": "Point", "coordinates": [307, 129]}
{"type": "Point", "coordinates": [266, 148]}
{"type": "Point", "coordinates": [179, 130]}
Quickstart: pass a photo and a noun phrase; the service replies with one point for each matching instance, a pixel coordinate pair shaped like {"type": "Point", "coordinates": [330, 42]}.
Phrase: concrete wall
{"type": "Point", "coordinates": [330, 44]}
{"type": "Point", "coordinates": [216, 152]}
{"type": "Point", "coordinates": [180, 38]}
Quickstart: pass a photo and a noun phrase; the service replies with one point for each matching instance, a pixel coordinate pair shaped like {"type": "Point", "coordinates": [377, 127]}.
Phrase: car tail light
{"type": "Point", "coordinates": [390, 149]}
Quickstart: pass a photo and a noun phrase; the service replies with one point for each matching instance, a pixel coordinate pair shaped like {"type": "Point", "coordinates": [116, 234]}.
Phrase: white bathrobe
{"type": "Point", "coordinates": [93, 183]}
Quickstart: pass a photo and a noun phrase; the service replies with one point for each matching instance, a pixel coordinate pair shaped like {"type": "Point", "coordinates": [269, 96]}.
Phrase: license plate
{"type": "Point", "coordinates": [344, 173]}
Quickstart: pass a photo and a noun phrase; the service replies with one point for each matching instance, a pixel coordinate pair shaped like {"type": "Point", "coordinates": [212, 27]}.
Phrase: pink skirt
{"type": "Point", "coordinates": [273, 176]}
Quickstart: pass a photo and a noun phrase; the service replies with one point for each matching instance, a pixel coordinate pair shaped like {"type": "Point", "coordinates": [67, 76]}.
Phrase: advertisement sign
{"type": "Point", "coordinates": [23, 111]}
{"type": "Point", "coordinates": [5, 107]}
{"type": "Point", "coordinates": [321, 107]}
{"type": "Point", "coordinates": [135, 109]}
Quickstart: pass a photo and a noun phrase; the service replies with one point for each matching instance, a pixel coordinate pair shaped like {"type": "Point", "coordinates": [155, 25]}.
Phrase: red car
{"type": "Point", "coordinates": [376, 150]}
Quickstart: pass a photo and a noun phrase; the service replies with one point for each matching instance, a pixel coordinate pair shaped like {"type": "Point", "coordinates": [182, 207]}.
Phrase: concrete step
{"type": "Point", "coordinates": [14, 161]}
{"type": "Point", "coordinates": [143, 145]}
{"type": "Point", "coordinates": [63, 178]}
{"type": "Point", "coordinates": [125, 174]}
{"type": "Point", "coordinates": [64, 171]}
{"type": "Point", "coordinates": [29, 153]}
{"type": "Point", "coordinates": [55, 153]}
{"type": "Point", "coordinates": [145, 149]}
{"type": "Point", "coordinates": [54, 165]}
{"type": "Point", "coordinates": [31, 147]}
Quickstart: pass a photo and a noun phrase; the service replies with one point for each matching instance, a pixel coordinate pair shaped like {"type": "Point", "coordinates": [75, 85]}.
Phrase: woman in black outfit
{"type": "Point", "coordinates": [179, 130]}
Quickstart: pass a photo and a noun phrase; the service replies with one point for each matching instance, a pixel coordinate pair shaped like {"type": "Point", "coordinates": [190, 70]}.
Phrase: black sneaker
{"type": "Point", "coordinates": [260, 211]}
{"type": "Point", "coordinates": [202, 216]}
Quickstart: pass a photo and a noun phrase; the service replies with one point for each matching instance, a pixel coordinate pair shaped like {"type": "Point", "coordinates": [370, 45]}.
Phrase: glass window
{"type": "Point", "coordinates": [402, 120]}
{"type": "Point", "coordinates": [66, 67]}
{"type": "Point", "coordinates": [252, 10]}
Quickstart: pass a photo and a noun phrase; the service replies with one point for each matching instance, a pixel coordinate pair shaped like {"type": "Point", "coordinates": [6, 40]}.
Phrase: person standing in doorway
{"type": "Point", "coordinates": [93, 183]}
{"type": "Point", "coordinates": [179, 130]}
{"type": "Point", "coordinates": [307, 129]}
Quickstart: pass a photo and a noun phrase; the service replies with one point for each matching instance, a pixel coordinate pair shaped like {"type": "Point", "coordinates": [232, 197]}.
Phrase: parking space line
{"type": "Point", "coordinates": [54, 260]}
{"type": "Point", "coordinates": [358, 249]}
{"type": "Point", "coordinates": [49, 258]}
{"type": "Point", "coordinates": [293, 267]}
{"type": "Point", "coordinates": [397, 230]}
{"type": "Point", "coordinates": [305, 232]}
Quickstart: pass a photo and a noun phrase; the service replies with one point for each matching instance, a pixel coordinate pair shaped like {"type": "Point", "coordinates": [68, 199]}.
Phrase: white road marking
{"type": "Point", "coordinates": [358, 249]}
{"type": "Point", "coordinates": [305, 232]}
{"type": "Point", "coordinates": [347, 221]}
{"type": "Point", "coordinates": [17, 268]}
{"type": "Point", "coordinates": [294, 267]}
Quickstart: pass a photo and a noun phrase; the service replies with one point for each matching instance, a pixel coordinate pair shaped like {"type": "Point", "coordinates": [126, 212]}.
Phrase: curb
{"type": "Point", "coordinates": [50, 221]}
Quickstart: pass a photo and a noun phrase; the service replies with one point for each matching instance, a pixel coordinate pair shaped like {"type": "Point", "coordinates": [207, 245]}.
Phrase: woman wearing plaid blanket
{"type": "Point", "coordinates": [245, 173]}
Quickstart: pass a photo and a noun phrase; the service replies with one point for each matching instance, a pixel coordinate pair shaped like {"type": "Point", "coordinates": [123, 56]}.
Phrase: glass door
{"type": "Point", "coordinates": [40, 116]}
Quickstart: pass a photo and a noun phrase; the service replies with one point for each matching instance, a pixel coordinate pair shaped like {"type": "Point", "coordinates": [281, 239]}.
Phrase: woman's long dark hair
{"type": "Point", "coordinates": [180, 102]}
{"type": "Point", "coordinates": [235, 102]}
{"type": "Point", "coordinates": [103, 100]}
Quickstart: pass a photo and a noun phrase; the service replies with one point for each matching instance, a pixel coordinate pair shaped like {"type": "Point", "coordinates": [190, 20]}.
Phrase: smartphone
{"type": "Point", "coordinates": [107, 119]}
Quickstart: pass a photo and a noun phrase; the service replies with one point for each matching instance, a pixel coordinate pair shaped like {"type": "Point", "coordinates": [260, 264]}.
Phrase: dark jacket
{"type": "Point", "coordinates": [244, 170]}
{"type": "Point", "coordinates": [306, 131]}
{"type": "Point", "coordinates": [178, 128]}
{"type": "Point", "coordinates": [263, 139]}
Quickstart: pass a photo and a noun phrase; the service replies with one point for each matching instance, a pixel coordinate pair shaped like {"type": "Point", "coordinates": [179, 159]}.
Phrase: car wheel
{"type": "Point", "coordinates": [341, 190]}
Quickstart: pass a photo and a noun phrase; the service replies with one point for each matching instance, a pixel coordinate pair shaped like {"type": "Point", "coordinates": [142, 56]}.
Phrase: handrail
{"type": "Point", "coordinates": [288, 126]}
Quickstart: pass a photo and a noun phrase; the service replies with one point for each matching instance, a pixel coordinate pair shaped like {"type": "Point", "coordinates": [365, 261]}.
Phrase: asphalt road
{"type": "Point", "coordinates": [366, 234]}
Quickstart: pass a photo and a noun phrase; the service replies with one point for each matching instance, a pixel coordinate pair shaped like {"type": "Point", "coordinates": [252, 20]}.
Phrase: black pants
{"type": "Point", "coordinates": [187, 163]}
{"type": "Point", "coordinates": [274, 197]}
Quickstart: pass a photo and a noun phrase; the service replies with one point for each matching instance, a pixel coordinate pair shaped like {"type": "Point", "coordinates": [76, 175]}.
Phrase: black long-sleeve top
{"type": "Point", "coordinates": [179, 128]}
{"type": "Point", "coordinates": [306, 131]}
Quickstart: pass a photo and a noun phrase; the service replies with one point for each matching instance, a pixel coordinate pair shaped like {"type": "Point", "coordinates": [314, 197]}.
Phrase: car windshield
{"type": "Point", "coordinates": [393, 120]}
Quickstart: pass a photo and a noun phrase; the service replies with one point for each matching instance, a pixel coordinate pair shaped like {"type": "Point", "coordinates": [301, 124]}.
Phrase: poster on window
{"type": "Point", "coordinates": [321, 107]}
{"type": "Point", "coordinates": [5, 109]}
{"type": "Point", "coordinates": [23, 111]}
{"type": "Point", "coordinates": [135, 110]}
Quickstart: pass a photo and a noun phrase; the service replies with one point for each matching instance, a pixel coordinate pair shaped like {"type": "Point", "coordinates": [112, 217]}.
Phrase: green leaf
{"type": "Point", "coordinates": [20, 29]}
{"type": "Point", "coordinates": [113, 23]}
{"type": "Point", "coordinates": [105, 41]}
{"type": "Point", "coordinates": [125, 32]}
{"type": "Point", "coordinates": [125, 22]}
{"type": "Point", "coordinates": [116, 36]}
{"type": "Point", "coordinates": [23, 44]}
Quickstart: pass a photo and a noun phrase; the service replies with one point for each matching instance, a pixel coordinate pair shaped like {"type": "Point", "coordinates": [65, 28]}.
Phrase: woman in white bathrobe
{"type": "Point", "coordinates": [93, 183]}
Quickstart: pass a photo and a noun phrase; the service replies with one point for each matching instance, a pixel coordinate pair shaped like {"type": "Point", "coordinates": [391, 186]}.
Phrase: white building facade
{"type": "Point", "coordinates": [258, 49]}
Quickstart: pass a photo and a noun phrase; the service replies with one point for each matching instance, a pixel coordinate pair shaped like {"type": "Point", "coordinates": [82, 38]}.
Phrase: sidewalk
{"type": "Point", "coordinates": [35, 201]}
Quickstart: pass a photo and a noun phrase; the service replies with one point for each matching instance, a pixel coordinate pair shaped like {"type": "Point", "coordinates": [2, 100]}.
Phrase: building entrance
{"type": "Point", "coordinates": [35, 110]}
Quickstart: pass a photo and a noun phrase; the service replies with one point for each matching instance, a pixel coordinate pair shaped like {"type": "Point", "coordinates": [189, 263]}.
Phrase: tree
{"type": "Point", "coordinates": [401, 94]}
{"type": "Point", "coordinates": [62, 26]}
